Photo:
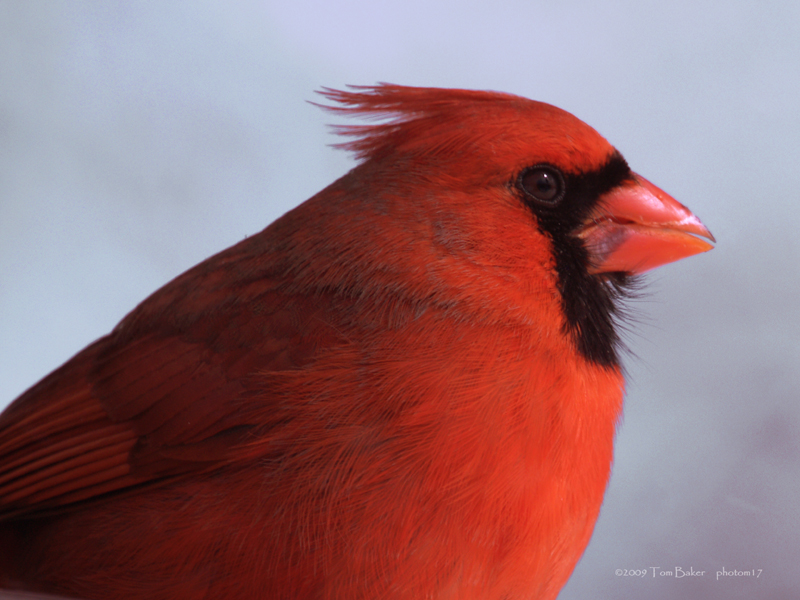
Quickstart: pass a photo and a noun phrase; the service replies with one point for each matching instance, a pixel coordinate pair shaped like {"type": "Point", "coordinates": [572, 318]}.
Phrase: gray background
{"type": "Point", "coordinates": [137, 139]}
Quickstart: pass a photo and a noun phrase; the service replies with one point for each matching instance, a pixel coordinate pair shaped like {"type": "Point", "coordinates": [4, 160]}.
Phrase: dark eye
{"type": "Point", "coordinates": [542, 183]}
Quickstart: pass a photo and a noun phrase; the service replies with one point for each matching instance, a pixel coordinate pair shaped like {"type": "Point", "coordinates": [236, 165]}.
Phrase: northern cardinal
{"type": "Point", "coordinates": [405, 388]}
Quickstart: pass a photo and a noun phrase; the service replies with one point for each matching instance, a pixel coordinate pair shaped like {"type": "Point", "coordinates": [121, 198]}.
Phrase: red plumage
{"type": "Point", "coordinates": [390, 392]}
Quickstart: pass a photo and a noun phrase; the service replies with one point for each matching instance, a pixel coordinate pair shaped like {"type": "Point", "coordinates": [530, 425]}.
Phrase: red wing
{"type": "Point", "coordinates": [57, 441]}
{"type": "Point", "coordinates": [161, 396]}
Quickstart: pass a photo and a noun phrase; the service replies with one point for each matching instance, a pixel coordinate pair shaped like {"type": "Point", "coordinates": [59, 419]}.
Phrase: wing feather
{"type": "Point", "coordinates": [165, 394]}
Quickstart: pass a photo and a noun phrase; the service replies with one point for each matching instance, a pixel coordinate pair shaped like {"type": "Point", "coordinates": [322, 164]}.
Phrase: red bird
{"type": "Point", "coordinates": [407, 387]}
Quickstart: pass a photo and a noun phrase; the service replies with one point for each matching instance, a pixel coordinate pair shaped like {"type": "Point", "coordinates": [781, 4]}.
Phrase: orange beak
{"type": "Point", "coordinates": [637, 227]}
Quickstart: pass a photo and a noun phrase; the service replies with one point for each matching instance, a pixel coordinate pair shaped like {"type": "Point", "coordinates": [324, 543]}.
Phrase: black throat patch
{"type": "Point", "coordinates": [592, 303]}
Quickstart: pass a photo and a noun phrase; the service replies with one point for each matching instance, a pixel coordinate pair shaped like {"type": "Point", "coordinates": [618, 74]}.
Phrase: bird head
{"type": "Point", "coordinates": [517, 186]}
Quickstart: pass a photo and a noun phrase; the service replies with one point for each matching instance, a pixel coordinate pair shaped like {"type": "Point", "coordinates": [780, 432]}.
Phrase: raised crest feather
{"type": "Point", "coordinates": [408, 113]}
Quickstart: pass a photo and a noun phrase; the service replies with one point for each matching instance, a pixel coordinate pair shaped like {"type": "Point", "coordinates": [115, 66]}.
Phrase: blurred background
{"type": "Point", "coordinates": [136, 139]}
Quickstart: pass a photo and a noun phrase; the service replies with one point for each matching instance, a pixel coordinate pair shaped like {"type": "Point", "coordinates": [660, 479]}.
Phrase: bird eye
{"type": "Point", "coordinates": [542, 183]}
